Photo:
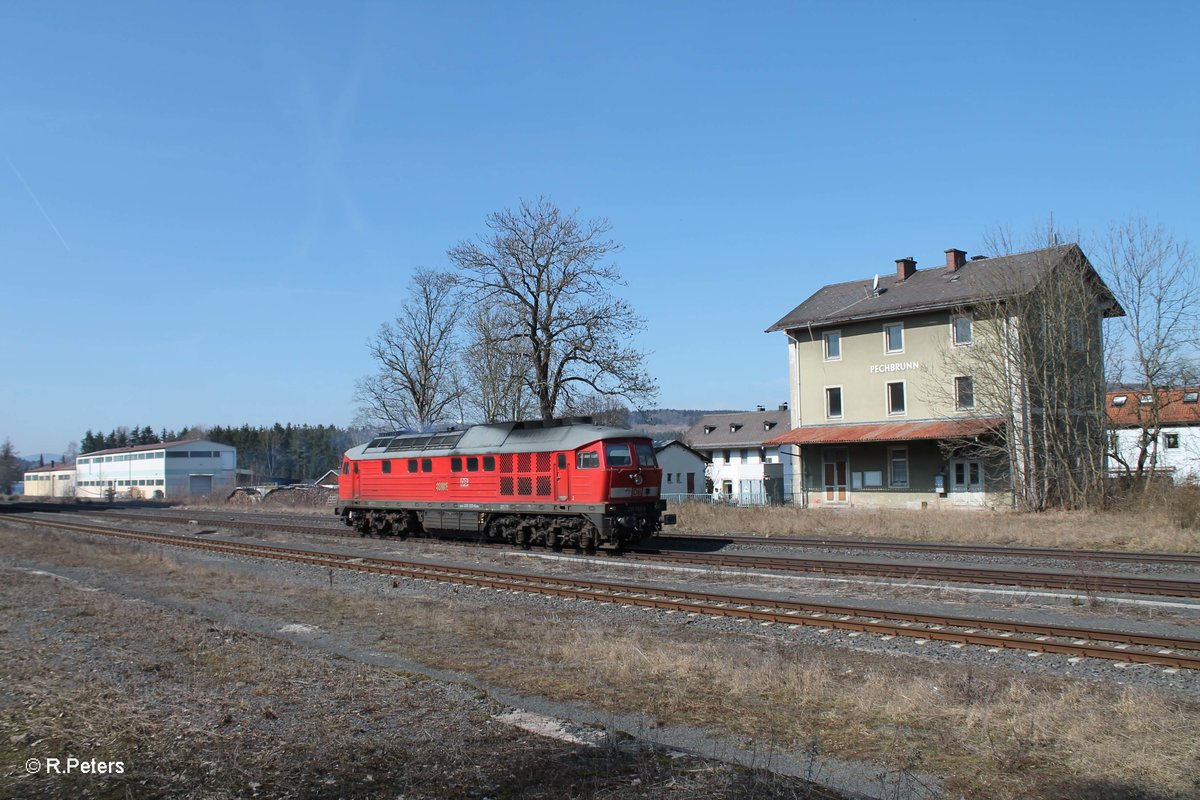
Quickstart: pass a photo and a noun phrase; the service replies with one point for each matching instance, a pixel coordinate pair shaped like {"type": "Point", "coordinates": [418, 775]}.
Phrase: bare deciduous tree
{"type": "Point", "coordinates": [549, 272]}
{"type": "Point", "coordinates": [1036, 363]}
{"type": "Point", "coordinates": [417, 382]}
{"type": "Point", "coordinates": [494, 367]}
{"type": "Point", "coordinates": [1155, 277]}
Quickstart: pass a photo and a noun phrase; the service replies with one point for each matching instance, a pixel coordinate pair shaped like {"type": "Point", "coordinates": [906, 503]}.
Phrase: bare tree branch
{"type": "Point", "coordinates": [417, 382]}
{"type": "Point", "coordinates": [546, 275]}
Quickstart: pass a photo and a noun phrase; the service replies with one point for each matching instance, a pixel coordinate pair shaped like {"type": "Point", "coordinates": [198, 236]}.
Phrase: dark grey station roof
{"type": "Point", "coordinates": [527, 437]}
{"type": "Point", "coordinates": [935, 288]}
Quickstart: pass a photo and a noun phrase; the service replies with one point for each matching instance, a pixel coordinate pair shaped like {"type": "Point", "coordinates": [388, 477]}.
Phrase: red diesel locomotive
{"type": "Point", "coordinates": [561, 483]}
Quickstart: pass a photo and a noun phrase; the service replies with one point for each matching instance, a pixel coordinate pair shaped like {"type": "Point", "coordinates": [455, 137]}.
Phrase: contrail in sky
{"type": "Point", "coordinates": [37, 203]}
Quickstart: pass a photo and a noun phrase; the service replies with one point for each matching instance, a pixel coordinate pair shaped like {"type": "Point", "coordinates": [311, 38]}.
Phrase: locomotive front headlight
{"type": "Point", "coordinates": [637, 478]}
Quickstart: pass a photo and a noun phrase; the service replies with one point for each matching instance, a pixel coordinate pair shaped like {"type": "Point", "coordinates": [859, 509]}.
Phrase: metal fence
{"type": "Point", "coordinates": [745, 498]}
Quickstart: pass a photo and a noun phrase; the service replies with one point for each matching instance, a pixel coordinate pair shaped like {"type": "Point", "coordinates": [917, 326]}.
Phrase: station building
{"type": "Point", "coordinates": [903, 392]}
{"type": "Point", "coordinates": [52, 481]}
{"type": "Point", "coordinates": [173, 470]}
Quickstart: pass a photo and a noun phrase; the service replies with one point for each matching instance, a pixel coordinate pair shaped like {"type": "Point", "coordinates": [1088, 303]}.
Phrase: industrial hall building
{"type": "Point", "coordinates": [53, 480]}
{"type": "Point", "coordinates": [905, 388]}
{"type": "Point", "coordinates": [192, 468]}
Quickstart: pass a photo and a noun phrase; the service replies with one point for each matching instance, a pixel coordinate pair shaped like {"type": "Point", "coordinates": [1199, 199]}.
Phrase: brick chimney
{"type": "Point", "coordinates": [955, 259]}
{"type": "Point", "coordinates": [905, 267]}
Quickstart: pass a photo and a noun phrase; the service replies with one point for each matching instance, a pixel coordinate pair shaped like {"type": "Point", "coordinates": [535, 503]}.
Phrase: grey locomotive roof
{"type": "Point", "coordinates": [740, 429]}
{"type": "Point", "coordinates": [529, 437]}
{"type": "Point", "coordinates": [935, 288]}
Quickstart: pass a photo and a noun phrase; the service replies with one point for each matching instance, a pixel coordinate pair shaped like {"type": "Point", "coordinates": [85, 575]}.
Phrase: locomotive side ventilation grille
{"type": "Point", "coordinates": [543, 485]}
{"type": "Point", "coordinates": [506, 463]}
{"type": "Point", "coordinates": [543, 463]}
{"type": "Point", "coordinates": [524, 462]}
{"type": "Point", "coordinates": [524, 486]}
{"type": "Point", "coordinates": [506, 485]}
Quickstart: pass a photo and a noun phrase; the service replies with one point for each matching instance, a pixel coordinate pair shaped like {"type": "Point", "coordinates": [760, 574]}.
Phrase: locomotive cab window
{"type": "Point", "coordinates": [355, 467]}
{"type": "Point", "coordinates": [412, 465]}
{"type": "Point", "coordinates": [489, 463]}
{"type": "Point", "coordinates": [618, 455]}
{"type": "Point", "coordinates": [588, 460]}
{"type": "Point", "coordinates": [456, 464]}
{"type": "Point", "coordinates": [387, 465]}
{"type": "Point", "coordinates": [562, 460]}
{"type": "Point", "coordinates": [426, 465]}
{"type": "Point", "coordinates": [645, 455]}
{"type": "Point", "coordinates": [345, 467]}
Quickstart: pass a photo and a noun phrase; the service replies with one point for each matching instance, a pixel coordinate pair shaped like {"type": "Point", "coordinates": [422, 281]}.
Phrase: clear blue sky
{"type": "Point", "coordinates": [206, 209]}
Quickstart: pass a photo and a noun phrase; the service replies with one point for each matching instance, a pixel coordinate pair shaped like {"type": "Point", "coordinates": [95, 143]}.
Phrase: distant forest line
{"type": "Point", "coordinates": [299, 453]}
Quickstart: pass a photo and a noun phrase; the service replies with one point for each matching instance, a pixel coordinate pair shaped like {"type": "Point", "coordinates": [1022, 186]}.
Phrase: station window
{"type": "Point", "coordinates": [960, 329]}
{"type": "Point", "coordinates": [895, 399]}
{"type": "Point", "coordinates": [1171, 441]}
{"type": "Point", "coordinates": [964, 392]}
{"type": "Point", "coordinates": [893, 337]}
{"type": "Point", "coordinates": [833, 345]}
{"type": "Point", "coordinates": [833, 403]}
{"type": "Point", "coordinates": [426, 465]}
{"type": "Point", "coordinates": [898, 466]}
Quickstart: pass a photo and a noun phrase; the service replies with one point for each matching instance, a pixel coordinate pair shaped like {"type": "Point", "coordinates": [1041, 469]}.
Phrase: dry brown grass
{"type": "Point", "coordinates": [197, 709]}
{"type": "Point", "coordinates": [986, 734]}
{"type": "Point", "coordinates": [1151, 527]}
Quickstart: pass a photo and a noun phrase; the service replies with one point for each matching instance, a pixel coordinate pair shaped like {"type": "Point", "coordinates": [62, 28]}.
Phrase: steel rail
{"type": "Point", "coordinates": [936, 547]}
{"type": "Point", "coordinates": [703, 603]}
{"type": "Point", "coordinates": [1025, 578]}
{"type": "Point", "coordinates": [1100, 582]}
{"type": "Point", "coordinates": [1010, 551]}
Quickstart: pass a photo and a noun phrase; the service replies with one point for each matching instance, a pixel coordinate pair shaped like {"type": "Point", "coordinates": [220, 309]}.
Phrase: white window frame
{"type": "Point", "coordinates": [958, 406]}
{"type": "Point", "coordinates": [887, 398]}
{"type": "Point", "coordinates": [841, 400]}
{"type": "Point", "coordinates": [900, 326]}
{"type": "Point", "coordinates": [825, 345]}
{"type": "Point", "coordinates": [967, 485]}
{"type": "Point", "coordinates": [892, 483]}
{"type": "Point", "coordinates": [954, 318]}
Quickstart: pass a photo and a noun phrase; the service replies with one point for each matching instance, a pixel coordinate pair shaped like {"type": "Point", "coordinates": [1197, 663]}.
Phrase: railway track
{"type": "Point", "coordinates": [1085, 583]}
{"type": "Point", "coordinates": [1187, 559]}
{"type": "Point", "coordinates": [1081, 581]}
{"type": "Point", "coordinates": [1130, 647]}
